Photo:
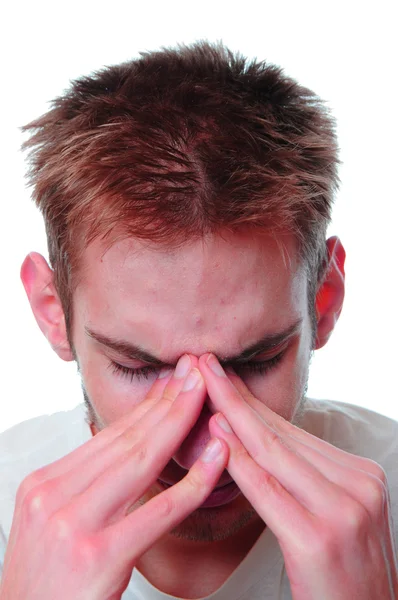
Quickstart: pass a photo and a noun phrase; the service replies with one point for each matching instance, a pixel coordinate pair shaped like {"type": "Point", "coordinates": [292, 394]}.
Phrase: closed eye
{"type": "Point", "coordinates": [259, 367]}
{"type": "Point", "coordinates": [144, 373]}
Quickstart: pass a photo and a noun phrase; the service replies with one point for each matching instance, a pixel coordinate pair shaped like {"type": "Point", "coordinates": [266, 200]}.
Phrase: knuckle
{"type": "Point", "coordinates": [267, 484]}
{"type": "Point", "coordinates": [61, 529]}
{"type": "Point", "coordinates": [37, 501]}
{"type": "Point", "coordinates": [353, 517]}
{"type": "Point", "coordinates": [195, 484]}
{"type": "Point", "coordinates": [129, 437]}
{"type": "Point", "coordinates": [374, 494]}
{"type": "Point", "coordinates": [379, 472]}
{"type": "Point", "coordinates": [168, 397]}
{"type": "Point", "coordinates": [373, 468]}
{"type": "Point", "coordinates": [139, 453]}
{"type": "Point", "coordinates": [149, 400]}
{"type": "Point", "coordinates": [281, 426]}
{"type": "Point", "coordinates": [165, 506]}
{"type": "Point", "coordinates": [241, 455]}
{"type": "Point", "coordinates": [273, 441]}
{"type": "Point", "coordinates": [30, 482]}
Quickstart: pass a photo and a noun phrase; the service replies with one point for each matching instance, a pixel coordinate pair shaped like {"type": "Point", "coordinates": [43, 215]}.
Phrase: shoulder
{"type": "Point", "coordinates": [32, 444]}
{"type": "Point", "coordinates": [43, 434]}
{"type": "Point", "coordinates": [352, 428]}
{"type": "Point", "coordinates": [359, 431]}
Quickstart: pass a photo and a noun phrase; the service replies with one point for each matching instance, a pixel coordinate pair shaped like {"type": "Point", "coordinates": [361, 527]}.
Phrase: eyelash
{"type": "Point", "coordinates": [143, 373]}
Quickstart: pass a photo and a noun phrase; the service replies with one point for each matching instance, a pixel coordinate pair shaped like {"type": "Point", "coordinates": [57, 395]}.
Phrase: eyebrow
{"type": "Point", "coordinates": [267, 343]}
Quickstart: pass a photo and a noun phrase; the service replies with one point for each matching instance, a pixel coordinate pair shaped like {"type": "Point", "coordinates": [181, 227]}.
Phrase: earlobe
{"type": "Point", "coordinates": [330, 296]}
{"type": "Point", "coordinates": [37, 279]}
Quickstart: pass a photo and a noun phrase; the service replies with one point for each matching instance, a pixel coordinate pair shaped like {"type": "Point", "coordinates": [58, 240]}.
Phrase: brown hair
{"type": "Point", "coordinates": [179, 143]}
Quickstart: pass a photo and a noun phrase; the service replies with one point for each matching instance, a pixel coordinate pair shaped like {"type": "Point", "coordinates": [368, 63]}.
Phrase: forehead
{"type": "Point", "coordinates": [218, 294]}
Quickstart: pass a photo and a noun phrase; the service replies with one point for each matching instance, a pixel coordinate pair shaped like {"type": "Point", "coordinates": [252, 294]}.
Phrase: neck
{"type": "Point", "coordinates": [176, 566]}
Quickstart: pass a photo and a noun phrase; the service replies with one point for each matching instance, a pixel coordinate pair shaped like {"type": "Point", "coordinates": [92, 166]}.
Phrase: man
{"type": "Point", "coordinates": [186, 196]}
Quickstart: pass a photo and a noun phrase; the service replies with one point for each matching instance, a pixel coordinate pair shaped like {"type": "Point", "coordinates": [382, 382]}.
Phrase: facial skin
{"type": "Point", "coordinates": [220, 295]}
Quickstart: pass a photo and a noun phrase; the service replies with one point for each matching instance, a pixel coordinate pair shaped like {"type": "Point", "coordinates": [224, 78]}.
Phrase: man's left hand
{"type": "Point", "coordinates": [330, 510]}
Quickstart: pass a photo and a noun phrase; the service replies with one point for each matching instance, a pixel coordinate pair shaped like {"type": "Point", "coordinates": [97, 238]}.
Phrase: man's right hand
{"type": "Point", "coordinates": [72, 534]}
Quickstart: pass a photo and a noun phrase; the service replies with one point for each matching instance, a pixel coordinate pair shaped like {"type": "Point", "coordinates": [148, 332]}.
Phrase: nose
{"type": "Point", "coordinates": [197, 439]}
{"type": "Point", "coordinates": [195, 442]}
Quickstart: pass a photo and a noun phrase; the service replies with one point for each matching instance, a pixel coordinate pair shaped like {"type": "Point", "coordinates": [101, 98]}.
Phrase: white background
{"type": "Point", "coordinates": [344, 52]}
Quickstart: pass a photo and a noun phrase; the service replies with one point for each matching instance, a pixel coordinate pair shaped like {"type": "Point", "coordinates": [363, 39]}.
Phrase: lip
{"type": "Point", "coordinates": [218, 497]}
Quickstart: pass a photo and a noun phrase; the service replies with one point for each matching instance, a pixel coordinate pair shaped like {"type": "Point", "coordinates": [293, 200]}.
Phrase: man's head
{"type": "Point", "coordinates": [186, 197]}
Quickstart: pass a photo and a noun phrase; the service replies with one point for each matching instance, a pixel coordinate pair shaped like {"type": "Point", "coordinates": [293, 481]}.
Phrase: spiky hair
{"type": "Point", "coordinates": [178, 143]}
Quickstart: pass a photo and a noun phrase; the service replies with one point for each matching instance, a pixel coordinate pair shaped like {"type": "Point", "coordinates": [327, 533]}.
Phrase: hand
{"type": "Point", "coordinates": [72, 534]}
{"type": "Point", "coordinates": [329, 509]}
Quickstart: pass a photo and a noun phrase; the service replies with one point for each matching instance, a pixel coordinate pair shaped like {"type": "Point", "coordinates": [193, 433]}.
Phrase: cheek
{"type": "Point", "coordinates": [112, 394]}
{"type": "Point", "coordinates": [282, 388]}
{"type": "Point", "coordinates": [278, 393]}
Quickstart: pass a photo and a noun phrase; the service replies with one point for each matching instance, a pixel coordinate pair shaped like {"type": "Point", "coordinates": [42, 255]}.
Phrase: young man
{"type": "Point", "coordinates": [186, 196]}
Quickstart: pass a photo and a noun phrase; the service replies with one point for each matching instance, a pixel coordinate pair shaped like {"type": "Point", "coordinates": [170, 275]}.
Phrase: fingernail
{"type": "Point", "coordinates": [193, 378]}
{"type": "Point", "coordinates": [215, 366]}
{"type": "Point", "coordinates": [223, 423]}
{"type": "Point", "coordinates": [164, 372]}
{"type": "Point", "coordinates": [183, 366]}
{"type": "Point", "coordinates": [211, 451]}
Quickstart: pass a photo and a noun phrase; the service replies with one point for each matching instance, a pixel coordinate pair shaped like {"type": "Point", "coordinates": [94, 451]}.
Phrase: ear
{"type": "Point", "coordinates": [37, 278]}
{"type": "Point", "coordinates": [330, 296]}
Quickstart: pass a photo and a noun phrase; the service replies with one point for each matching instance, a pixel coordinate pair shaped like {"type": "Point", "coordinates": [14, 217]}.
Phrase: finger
{"type": "Point", "coordinates": [82, 455]}
{"type": "Point", "coordinates": [283, 513]}
{"type": "Point", "coordinates": [124, 482]}
{"type": "Point", "coordinates": [104, 437]}
{"type": "Point", "coordinates": [49, 495]}
{"type": "Point", "coordinates": [362, 486]}
{"type": "Point", "coordinates": [130, 537]}
{"type": "Point", "coordinates": [316, 479]}
{"type": "Point", "coordinates": [369, 490]}
{"type": "Point", "coordinates": [281, 425]}
{"type": "Point", "coordinates": [155, 412]}
{"type": "Point", "coordinates": [142, 431]}
{"type": "Point", "coordinates": [162, 385]}
{"type": "Point", "coordinates": [297, 529]}
{"type": "Point", "coordinates": [271, 453]}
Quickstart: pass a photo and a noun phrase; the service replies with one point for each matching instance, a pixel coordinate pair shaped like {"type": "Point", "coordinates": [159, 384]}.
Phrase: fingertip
{"type": "Point", "coordinates": [194, 360]}
{"type": "Point", "coordinates": [225, 446]}
{"type": "Point", "coordinates": [213, 420]}
{"type": "Point", "coordinates": [222, 423]}
{"type": "Point", "coordinates": [203, 359]}
{"type": "Point", "coordinates": [165, 373]}
{"type": "Point", "coordinates": [217, 431]}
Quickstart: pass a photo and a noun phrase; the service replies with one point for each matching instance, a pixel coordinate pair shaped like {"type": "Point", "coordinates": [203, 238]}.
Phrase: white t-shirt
{"type": "Point", "coordinates": [261, 575]}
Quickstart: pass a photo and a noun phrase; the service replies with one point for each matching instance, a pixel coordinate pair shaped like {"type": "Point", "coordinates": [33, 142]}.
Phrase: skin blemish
{"type": "Point", "coordinates": [198, 321]}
